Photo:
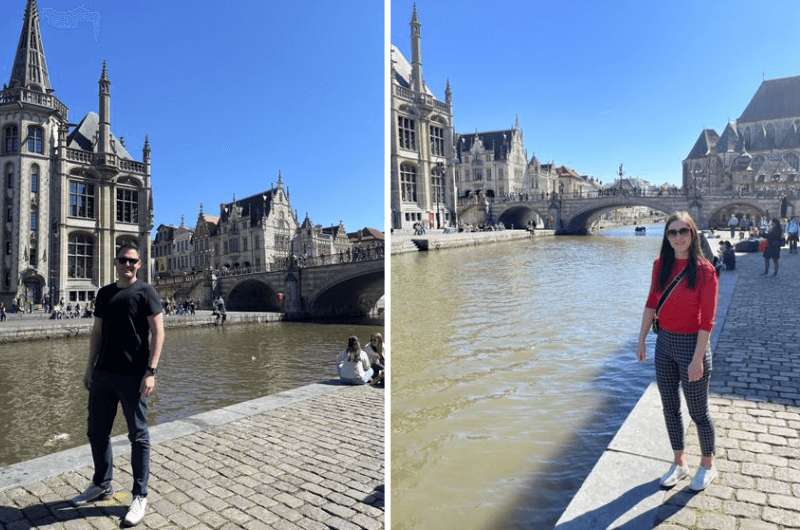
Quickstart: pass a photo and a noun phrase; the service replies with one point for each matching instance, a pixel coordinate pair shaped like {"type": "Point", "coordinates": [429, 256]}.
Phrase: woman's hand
{"type": "Point", "coordinates": [642, 351]}
{"type": "Point", "coordinates": [695, 370]}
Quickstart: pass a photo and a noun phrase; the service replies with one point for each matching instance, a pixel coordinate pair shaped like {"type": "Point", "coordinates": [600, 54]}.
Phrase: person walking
{"type": "Point", "coordinates": [774, 244]}
{"type": "Point", "coordinates": [682, 302]}
{"type": "Point", "coordinates": [3, 312]}
{"type": "Point", "coordinates": [125, 348]}
{"type": "Point", "coordinates": [733, 222]}
{"type": "Point", "coordinates": [792, 234]}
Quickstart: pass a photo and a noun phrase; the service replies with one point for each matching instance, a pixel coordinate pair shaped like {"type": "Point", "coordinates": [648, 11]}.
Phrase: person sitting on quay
{"type": "Point", "coordinates": [377, 360]}
{"type": "Point", "coordinates": [729, 257]}
{"type": "Point", "coordinates": [353, 366]}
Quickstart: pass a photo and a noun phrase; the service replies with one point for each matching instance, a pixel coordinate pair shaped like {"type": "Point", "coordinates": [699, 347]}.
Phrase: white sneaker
{"type": "Point", "coordinates": [92, 493]}
{"type": "Point", "coordinates": [703, 478]}
{"type": "Point", "coordinates": [675, 474]}
{"type": "Point", "coordinates": [136, 511]}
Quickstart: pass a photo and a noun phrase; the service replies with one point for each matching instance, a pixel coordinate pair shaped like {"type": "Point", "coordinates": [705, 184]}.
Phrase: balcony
{"type": "Point", "coordinates": [107, 160]}
{"type": "Point", "coordinates": [424, 99]}
{"type": "Point", "coordinates": [23, 95]}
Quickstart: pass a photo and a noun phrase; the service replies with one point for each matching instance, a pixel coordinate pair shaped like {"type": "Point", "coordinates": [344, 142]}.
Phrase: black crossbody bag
{"type": "Point", "coordinates": [665, 295]}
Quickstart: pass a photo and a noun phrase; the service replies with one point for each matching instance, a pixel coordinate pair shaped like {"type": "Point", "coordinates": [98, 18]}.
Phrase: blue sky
{"type": "Point", "coordinates": [230, 93]}
{"type": "Point", "coordinates": [600, 83]}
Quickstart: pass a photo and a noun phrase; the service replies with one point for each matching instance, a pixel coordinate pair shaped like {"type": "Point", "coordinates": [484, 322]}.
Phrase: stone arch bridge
{"type": "Point", "coordinates": [318, 292]}
{"type": "Point", "coordinates": [575, 214]}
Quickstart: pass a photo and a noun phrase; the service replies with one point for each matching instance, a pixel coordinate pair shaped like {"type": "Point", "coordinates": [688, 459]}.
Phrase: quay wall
{"type": "Point", "coordinates": [402, 243]}
{"type": "Point", "coordinates": [38, 327]}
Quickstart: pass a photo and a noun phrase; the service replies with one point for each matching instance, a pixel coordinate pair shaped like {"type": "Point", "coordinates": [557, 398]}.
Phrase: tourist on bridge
{"type": "Point", "coordinates": [774, 244]}
{"type": "Point", "coordinates": [681, 308]}
{"type": "Point", "coordinates": [354, 368]}
{"type": "Point", "coordinates": [125, 348]}
{"type": "Point", "coordinates": [733, 222]}
{"type": "Point", "coordinates": [792, 233]}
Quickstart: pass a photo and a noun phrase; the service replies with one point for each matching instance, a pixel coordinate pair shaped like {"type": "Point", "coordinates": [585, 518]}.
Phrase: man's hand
{"type": "Point", "coordinates": [148, 385]}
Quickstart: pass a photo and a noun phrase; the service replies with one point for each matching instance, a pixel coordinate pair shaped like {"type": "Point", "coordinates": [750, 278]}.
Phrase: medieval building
{"type": "Point", "coordinates": [72, 193]}
{"type": "Point", "coordinates": [758, 153]}
{"type": "Point", "coordinates": [421, 143]}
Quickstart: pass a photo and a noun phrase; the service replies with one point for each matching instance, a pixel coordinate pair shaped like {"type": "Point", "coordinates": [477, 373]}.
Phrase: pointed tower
{"type": "Point", "coordinates": [104, 106]}
{"type": "Point", "coordinates": [448, 94]}
{"type": "Point", "coordinates": [416, 54]}
{"type": "Point", "coordinates": [30, 66]}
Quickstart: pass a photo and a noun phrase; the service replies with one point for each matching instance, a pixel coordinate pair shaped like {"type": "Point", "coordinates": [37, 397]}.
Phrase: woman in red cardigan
{"type": "Point", "coordinates": [683, 355]}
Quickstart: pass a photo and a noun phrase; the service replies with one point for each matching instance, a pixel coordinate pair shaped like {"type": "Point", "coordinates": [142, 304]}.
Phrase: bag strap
{"type": "Point", "coordinates": [670, 288]}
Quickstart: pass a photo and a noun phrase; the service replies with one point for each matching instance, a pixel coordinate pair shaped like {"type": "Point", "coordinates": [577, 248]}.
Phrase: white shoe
{"type": "Point", "coordinates": [136, 511]}
{"type": "Point", "coordinates": [92, 493]}
{"type": "Point", "coordinates": [675, 474]}
{"type": "Point", "coordinates": [703, 478]}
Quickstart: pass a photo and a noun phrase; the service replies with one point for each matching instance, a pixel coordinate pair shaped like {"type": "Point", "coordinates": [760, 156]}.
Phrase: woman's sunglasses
{"type": "Point", "coordinates": [672, 232]}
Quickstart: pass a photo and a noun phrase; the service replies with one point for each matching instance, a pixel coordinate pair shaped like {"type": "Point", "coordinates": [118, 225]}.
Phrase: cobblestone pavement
{"type": "Point", "coordinates": [315, 464]}
{"type": "Point", "coordinates": [755, 404]}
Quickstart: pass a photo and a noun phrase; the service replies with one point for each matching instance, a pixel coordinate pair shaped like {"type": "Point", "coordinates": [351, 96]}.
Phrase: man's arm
{"type": "Point", "coordinates": [156, 323]}
{"type": "Point", "coordinates": [94, 350]}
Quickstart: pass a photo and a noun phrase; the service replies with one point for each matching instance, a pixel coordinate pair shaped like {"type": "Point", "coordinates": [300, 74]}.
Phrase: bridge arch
{"type": "Point", "coordinates": [253, 295]}
{"type": "Point", "coordinates": [720, 216]}
{"type": "Point", "coordinates": [519, 216]}
{"type": "Point", "coordinates": [351, 296]}
{"type": "Point", "coordinates": [580, 221]}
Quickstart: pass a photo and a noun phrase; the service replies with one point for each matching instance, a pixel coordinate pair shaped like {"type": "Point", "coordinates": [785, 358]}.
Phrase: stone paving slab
{"type": "Point", "coordinates": [310, 459]}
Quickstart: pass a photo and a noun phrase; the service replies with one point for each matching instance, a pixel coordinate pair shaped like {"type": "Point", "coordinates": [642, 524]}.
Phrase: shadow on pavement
{"type": "Point", "coordinates": [38, 515]}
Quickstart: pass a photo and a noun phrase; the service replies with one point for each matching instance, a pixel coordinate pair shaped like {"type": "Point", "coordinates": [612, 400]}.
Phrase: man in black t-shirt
{"type": "Point", "coordinates": [125, 347]}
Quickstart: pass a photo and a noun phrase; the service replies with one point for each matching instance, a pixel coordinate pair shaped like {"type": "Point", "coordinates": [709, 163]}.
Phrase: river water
{"type": "Point", "coordinates": [514, 365]}
{"type": "Point", "coordinates": [201, 369]}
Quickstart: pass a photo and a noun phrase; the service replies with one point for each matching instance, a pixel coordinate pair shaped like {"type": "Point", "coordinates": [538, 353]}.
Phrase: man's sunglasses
{"type": "Point", "coordinates": [682, 231]}
{"type": "Point", "coordinates": [127, 261]}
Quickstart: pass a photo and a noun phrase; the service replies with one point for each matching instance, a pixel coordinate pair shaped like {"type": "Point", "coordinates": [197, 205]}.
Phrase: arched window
{"type": "Point", "coordinates": [408, 182]}
{"type": "Point", "coordinates": [80, 256]}
{"type": "Point", "coordinates": [35, 139]}
{"type": "Point", "coordinates": [11, 139]}
{"type": "Point", "coordinates": [9, 172]}
{"type": "Point", "coordinates": [35, 178]}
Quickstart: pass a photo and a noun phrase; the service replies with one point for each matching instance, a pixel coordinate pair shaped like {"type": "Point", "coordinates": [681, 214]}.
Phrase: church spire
{"type": "Point", "coordinates": [30, 66]}
{"type": "Point", "coordinates": [416, 54]}
{"type": "Point", "coordinates": [448, 93]}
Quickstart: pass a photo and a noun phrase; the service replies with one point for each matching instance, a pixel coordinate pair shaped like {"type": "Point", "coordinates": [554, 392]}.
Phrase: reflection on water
{"type": "Point", "coordinates": [41, 383]}
{"type": "Point", "coordinates": [513, 368]}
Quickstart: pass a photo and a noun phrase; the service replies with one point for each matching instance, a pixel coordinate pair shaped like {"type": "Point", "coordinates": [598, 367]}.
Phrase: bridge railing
{"type": "Point", "coordinates": [626, 193]}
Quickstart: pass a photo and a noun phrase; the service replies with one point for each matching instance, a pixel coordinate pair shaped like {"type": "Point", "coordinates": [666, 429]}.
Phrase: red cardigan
{"type": "Point", "coordinates": [686, 310]}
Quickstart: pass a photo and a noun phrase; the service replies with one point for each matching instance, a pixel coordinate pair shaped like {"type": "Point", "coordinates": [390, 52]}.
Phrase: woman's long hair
{"type": "Point", "coordinates": [379, 343]}
{"type": "Point", "coordinates": [353, 349]}
{"type": "Point", "coordinates": [667, 254]}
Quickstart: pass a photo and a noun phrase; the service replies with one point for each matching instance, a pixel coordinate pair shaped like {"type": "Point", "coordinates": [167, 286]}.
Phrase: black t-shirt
{"type": "Point", "coordinates": [125, 345]}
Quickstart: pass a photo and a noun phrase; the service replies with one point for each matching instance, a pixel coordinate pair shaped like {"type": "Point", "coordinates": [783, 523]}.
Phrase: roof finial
{"type": "Point", "coordinates": [182, 223]}
{"type": "Point", "coordinates": [104, 73]}
{"type": "Point", "coordinates": [280, 179]}
{"type": "Point", "coordinates": [201, 208]}
{"type": "Point", "coordinates": [516, 121]}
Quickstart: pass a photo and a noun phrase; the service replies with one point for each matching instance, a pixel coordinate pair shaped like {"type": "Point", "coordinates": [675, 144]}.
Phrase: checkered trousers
{"type": "Point", "coordinates": [674, 352]}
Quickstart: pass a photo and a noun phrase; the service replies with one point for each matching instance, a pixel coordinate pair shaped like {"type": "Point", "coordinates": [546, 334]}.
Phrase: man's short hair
{"type": "Point", "coordinates": [128, 246]}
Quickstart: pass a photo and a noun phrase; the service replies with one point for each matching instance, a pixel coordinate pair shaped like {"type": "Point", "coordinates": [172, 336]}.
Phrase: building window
{"type": "Point", "coordinates": [436, 187]}
{"type": "Point", "coordinates": [9, 176]}
{"type": "Point", "coordinates": [477, 173]}
{"type": "Point", "coordinates": [34, 220]}
{"type": "Point", "coordinates": [35, 179]}
{"type": "Point", "coordinates": [244, 244]}
{"type": "Point", "coordinates": [7, 279]}
{"type": "Point", "coordinates": [408, 182]}
{"type": "Point", "coordinates": [127, 206]}
{"type": "Point", "coordinates": [81, 199]}
{"type": "Point", "coordinates": [8, 248]}
{"type": "Point", "coordinates": [488, 173]}
{"type": "Point", "coordinates": [11, 139]}
{"type": "Point", "coordinates": [33, 261]}
{"type": "Point", "coordinates": [500, 173]}
{"type": "Point", "coordinates": [80, 256]}
{"type": "Point", "coordinates": [407, 133]}
{"type": "Point", "coordinates": [437, 141]}
{"type": "Point", "coordinates": [35, 139]}
{"type": "Point", "coordinates": [9, 214]}
{"type": "Point", "coordinates": [256, 243]}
